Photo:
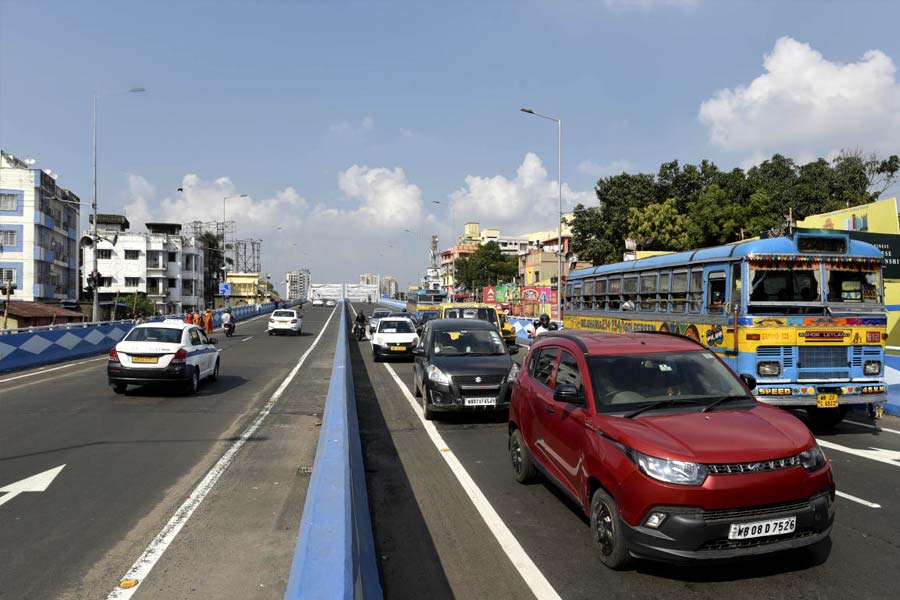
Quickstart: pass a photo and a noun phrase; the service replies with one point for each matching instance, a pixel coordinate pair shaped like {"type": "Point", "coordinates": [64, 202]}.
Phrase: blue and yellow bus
{"type": "Point", "coordinates": [425, 304]}
{"type": "Point", "coordinates": [804, 314]}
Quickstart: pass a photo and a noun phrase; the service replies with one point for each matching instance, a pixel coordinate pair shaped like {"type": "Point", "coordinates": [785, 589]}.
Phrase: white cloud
{"type": "Point", "coordinates": [649, 4]}
{"type": "Point", "coordinates": [352, 131]}
{"type": "Point", "coordinates": [528, 202]}
{"type": "Point", "coordinates": [598, 170]}
{"type": "Point", "coordinates": [806, 106]}
{"type": "Point", "coordinates": [388, 200]}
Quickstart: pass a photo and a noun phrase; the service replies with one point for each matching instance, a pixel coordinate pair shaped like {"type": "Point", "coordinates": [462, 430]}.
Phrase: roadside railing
{"type": "Point", "coordinates": [335, 553]}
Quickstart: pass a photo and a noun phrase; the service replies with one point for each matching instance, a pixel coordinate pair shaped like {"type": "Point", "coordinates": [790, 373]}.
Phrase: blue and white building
{"type": "Point", "coordinates": [38, 233]}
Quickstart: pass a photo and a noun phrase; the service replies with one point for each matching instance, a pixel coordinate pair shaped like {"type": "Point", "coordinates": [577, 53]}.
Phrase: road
{"type": "Point", "coordinates": [435, 543]}
{"type": "Point", "coordinates": [131, 461]}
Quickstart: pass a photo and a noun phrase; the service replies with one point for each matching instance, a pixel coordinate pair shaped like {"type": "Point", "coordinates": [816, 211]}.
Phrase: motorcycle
{"type": "Point", "coordinates": [229, 329]}
{"type": "Point", "coordinates": [359, 332]}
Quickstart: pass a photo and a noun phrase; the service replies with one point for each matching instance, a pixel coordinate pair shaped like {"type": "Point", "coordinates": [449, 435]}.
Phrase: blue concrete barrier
{"type": "Point", "coordinates": [892, 379]}
{"type": "Point", "coordinates": [25, 349]}
{"type": "Point", "coordinates": [335, 553]}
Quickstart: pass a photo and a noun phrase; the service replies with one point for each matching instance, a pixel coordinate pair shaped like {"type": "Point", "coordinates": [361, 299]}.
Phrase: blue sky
{"type": "Point", "coordinates": [343, 121]}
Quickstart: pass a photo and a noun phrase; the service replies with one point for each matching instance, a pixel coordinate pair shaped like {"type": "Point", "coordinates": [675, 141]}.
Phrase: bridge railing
{"type": "Point", "coordinates": [335, 553]}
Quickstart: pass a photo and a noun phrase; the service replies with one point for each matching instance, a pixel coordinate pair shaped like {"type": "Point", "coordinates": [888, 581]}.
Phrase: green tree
{"type": "Point", "coordinates": [660, 227]}
{"type": "Point", "coordinates": [139, 304]}
{"type": "Point", "coordinates": [486, 266]}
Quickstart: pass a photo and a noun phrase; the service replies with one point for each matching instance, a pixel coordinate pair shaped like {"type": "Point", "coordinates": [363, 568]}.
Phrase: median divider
{"type": "Point", "coordinates": [335, 553]}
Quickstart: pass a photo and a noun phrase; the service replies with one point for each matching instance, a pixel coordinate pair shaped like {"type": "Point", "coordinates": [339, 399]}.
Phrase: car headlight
{"type": "Point", "coordinates": [872, 367]}
{"type": "Point", "coordinates": [378, 340]}
{"type": "Point", "coordinates": [769, 368]}
{"type": "Point", "coordinates": [669, 471]}
{"type": "Point", "coordinates": [813, 459]}
{"type": "Point", "coordinates": [437, 376]}
{"type": "Point", "coordinates": [415, 341]}
{"type": "Point", "coordinates": [513, 373]}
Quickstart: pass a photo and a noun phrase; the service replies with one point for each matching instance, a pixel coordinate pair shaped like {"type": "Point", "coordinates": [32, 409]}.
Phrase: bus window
{"type": "Point", "coordinates": [614, 294]}
{"type": "Point", "coordinates": [570, 294]}
{"type": "Point", "coordinates": [852, 284]}
{"type": "Point", "coordinates": [600, 295]}
{"type": "Point", "coordinates": [787, 283]}
{"type": "Point", "coordinates": [648, 291]}
{"type": "Point", "coordinates": [715, 292]}
{"type": "Point", "coordinates": [696, 293]}
{"type": "Point", "coordinates": [575, 297]}
{"type": "Point", "coordinates": [588, 297]}
{"type": "Point", "coordinates": [679, 291]}
{"type": "Point", "coordinates": [663, 292]}
{"type": "Point", "coordinates": [630, 288]}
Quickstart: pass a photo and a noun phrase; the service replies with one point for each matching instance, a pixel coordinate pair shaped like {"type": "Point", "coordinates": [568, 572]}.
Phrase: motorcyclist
{"type": "Point", "coordinates": [361, 322]}
{"type": "Point", "coordinates": [542, 325]}
{"type": "Point", "coordinates": [227, 320]}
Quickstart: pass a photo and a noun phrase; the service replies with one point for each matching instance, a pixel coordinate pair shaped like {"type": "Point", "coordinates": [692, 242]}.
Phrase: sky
{"type": "Point", "coordinates": [353, 126]}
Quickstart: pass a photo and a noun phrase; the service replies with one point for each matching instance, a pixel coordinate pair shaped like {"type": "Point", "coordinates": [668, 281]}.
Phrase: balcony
{"type": "Point", "coordinates": [156, 266]}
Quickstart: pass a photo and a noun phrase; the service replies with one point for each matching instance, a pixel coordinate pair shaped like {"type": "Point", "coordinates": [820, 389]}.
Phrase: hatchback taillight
{"type": "Point", "coordinates": [180, 357]}
{"type": "Point", "coordinates": [113, 356]}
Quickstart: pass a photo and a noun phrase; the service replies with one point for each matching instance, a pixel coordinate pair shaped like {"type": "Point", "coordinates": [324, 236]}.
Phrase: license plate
{"type": "Point", "coordinates": [150, 360]}
{"type": "Point", "coordinates": [827, 401]}
{"type": "Point", "coordinates": [743, 531]}
{"type": "Point", "coordinates": [398, 348]}
{"type": "Point", "coordinates": [481, 401]}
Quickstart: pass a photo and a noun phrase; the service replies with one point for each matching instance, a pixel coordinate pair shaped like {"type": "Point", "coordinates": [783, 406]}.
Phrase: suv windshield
{"type": "Point", "coordinates": [166, 335]}
{"type": "Point", "coordinates": [624, 382]}
{"type": "Point", "coordinates": [480, 342]}
{"type": "Point", "coordinates": [403, 326]}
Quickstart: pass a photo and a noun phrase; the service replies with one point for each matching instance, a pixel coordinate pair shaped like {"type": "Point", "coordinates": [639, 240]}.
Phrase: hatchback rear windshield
{"type": "Point", "coordinates": [482, 314]}
{"type": "Point", "coordinates": [166, 335]}
{"type": "Point", "coordinates": [625, 381]}
{"type": "Point", "coordinates": [284, 313]}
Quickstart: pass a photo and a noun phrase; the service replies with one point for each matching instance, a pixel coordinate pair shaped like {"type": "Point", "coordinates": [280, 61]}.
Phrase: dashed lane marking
{"type": "Point", "coordinates": [247, 338]}
{"type": "Point", "coordinates": [145, 563]}
{"type": "Point", "coordinates": [520, 560]}
{"type": "Point", "coordinates": [859, 500]}
{"type": "Point", "coordinates": [869, 425]}
{"type": "Point", "coordinates": [888, 457]}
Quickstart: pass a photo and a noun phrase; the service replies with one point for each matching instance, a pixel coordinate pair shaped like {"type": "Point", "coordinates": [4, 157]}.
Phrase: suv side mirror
{"type": "Point", "coordinates": [750, 380]}
{"type": "Point", "coordinates": [567, 393]}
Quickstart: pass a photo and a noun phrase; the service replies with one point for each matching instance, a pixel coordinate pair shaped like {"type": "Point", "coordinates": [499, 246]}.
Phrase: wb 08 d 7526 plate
{"type": "Point", "coordinates": [743, 531]}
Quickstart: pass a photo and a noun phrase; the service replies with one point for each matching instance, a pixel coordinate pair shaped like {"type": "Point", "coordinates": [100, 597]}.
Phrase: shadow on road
{"type": "Point", "coordinates": [409, 564]}
{"type": "Point", "coordinates": [130, 442]}
{"type": "Point", "coordinates": [222, 385]}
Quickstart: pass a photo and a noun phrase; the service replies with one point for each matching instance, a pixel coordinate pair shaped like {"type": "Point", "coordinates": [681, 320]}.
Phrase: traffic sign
{"type": "Point", "coordinates": [224, 289]}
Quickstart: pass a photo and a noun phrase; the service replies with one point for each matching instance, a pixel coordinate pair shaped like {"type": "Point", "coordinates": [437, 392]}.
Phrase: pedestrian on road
{"type": "Point", "coordinates": [208, 321]}
{"type": "Point", "coordinates": [189, 317]}
{"type": "Point", "coordinates": [198, 318]}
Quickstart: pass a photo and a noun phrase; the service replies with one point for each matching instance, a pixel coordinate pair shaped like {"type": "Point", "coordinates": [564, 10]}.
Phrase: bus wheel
{"type": "Point", "coordinates": [826, 418]}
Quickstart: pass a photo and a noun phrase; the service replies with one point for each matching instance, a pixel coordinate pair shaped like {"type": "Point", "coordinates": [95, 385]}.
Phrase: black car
{"type": "Point", "coordinates": [462, 364]}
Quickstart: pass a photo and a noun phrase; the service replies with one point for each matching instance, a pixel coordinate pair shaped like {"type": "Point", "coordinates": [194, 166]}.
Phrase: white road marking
{"type": "Point", "coordinates": [520, 560]}
{"type": "Point", "coordinates": [888, 457]}
{"type": "Point", "coordinates": [869, 425]}
{"type": "Point", "coordinates": [35, 483]}
{"type": "Point", "coordinates": [855, 499]}
{"type": "Point", "coordinates": [247, 338]}
{"type": "Point", "coordinates": [145, 563]}
{"type": "Point", "coordinates": [42, 371]}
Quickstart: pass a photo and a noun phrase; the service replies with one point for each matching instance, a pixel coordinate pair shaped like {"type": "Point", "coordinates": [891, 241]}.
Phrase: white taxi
{"type": "Point", "coordinates": [285, 321]}
{"type": "Point", "coordinates": [395, 336]}
{"type": "Point", "coordinates": [170, 352]}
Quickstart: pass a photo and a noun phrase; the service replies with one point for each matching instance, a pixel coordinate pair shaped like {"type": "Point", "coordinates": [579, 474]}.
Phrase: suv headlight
{"type": "Point", "coordinates": [437, 376]}
{"type": "Point", "coordinates": [669, 471]}
{"type": "Point", "coordinates": [513, 373]}
{"type": "Point", "coordinates": [813, 459]}
{"type": "Point", "coordinates": [872, 367]}
{"type": "Point", "coordinates": [769, 368]}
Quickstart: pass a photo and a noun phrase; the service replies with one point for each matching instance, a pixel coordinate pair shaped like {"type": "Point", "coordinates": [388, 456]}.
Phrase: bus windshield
{"type": "Point", "coordinates": [784, 284]}
{"type": "Point", "coordinates": [853, 285]}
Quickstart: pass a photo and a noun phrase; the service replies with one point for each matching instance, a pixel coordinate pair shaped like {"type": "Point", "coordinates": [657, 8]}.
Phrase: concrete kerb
{"type": "Point", "coordinates": [335, 552]}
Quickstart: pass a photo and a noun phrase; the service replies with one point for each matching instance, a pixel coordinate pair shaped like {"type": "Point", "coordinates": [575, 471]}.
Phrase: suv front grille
{"type": "Point", "coordinates": [754, 512]}
{"type": "Point", "coordinates": [754, 467]}
{"type": "Point", "coordinates": [486, 380]}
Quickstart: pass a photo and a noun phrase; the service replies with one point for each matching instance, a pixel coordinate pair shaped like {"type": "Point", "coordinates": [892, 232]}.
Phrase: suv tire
{"type": "Point", "coordinates": [606, 531]}
{"type": "Point", "coordinates": [522, 463]}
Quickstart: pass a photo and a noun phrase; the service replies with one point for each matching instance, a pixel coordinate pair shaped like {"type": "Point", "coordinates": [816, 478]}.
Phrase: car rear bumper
{"type": "Point", "coordinates": [178, 373]}
{"type": "Point", "coordinates": [692, 534]}
{"type": "Point", "coordinates": [285, 327]}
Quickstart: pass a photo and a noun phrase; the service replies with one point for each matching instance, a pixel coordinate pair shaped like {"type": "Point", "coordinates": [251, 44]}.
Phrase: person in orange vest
{"type": "Point", "coordinates": [198, 319]}
{"type": "Point", "coordinates": [188, 317]}
{"type": "Point", "coordinates": [208, 321]}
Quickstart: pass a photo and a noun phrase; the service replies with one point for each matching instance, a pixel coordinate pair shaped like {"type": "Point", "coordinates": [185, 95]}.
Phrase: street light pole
{"type": "Point", "coordinates": [559, 291]}
{"type": "Point", "coordinates": [95, 310]}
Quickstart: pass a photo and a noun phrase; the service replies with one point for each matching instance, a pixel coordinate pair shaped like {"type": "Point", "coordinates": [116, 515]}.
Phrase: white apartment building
{"type": "Point", "coordinates": [370, 279]}
{"type": "Point", "coordinates": [509, 245]}
{"type": "Point", "coordinates": [38, 233]}
{"type": "Point", "coordinates": [161, 263]}
{"type": "Point", "coordinates": [389, 286]}
{"type": "Point", "coordinates": [298, 283]}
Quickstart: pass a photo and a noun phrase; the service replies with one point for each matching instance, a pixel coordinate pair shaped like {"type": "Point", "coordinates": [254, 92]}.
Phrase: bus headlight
{"type": "Point", "coordinates": [872, 367]}
{"type": "Point", "coordinates": [769, 368]}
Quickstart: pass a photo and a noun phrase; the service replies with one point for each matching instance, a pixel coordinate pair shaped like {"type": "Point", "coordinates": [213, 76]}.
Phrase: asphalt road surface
{"type": "Point", "coordinates": [131, 461]}
{"type": "Point", "coordinates": [434, 542]}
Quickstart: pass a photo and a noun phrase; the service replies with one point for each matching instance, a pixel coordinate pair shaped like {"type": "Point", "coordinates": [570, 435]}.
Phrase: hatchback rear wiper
{"type": "Point", "coordinates": [725, 399]}
{"type": "Point", "coordinates": [660, 404]}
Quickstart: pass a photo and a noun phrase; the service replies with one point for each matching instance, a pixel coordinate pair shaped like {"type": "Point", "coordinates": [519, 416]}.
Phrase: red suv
{"type": "Point", "coordinates": [666, 449]}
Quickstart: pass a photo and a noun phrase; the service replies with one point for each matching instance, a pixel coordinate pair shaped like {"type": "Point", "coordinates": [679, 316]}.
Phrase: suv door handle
{"type": "Point", "coordinates": [550, 409]}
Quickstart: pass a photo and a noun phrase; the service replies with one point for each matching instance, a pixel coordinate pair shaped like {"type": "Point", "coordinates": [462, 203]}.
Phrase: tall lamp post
{"type": "Point", "coordinates": [95, 313]}
{"type": "Point", "coordinates": [559, 292]}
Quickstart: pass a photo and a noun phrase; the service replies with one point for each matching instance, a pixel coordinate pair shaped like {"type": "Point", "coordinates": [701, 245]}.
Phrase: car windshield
{"type": "Point", "coordinates": [397, 326]}
{"type": "Point", "coordinates": [166, 335]}
{"type": "Point", "coordinates": [482, 314]}
{"type": "Point", "coordinates": [468, 342]}
{"type": "Point", "coordinates": [283, 313]}
{"type": "Point", "coordinates": [380, 313]}
{"type": "Point", "coordinates": [625, 382]}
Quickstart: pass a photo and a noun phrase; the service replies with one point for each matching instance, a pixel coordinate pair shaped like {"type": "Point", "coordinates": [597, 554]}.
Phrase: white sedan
{"type": "Point", "coordinates": [171, 352]}
{"type": "Point", "coordinates": [395, 336]}
{"type": "Point", "coordinates": [329, 302]}
{"type": "Point", "coordinates": [285, 321]}
{"type": "Point", "coordinates": [318, 302]}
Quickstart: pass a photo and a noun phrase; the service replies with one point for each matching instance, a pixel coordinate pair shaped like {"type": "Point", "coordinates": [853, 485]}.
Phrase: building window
{"type": "Point", "coordinates": [132, 254]}
{"type": "Point", "coordinates": [173, 257]}
{"type": "Point", "coordinates": [8, 238]}
{"type": "Point", "coordinates": [7, 275]}
{"type": "Point", "coordinates": [106, 282]}
{"type": "Point", "coordinates": [173, 283]}
{"type": "Point", "coordinates": [104, 254]}
{"type": "Point", "coordinates": [132, 281]}
{"type": "Point", "coordinates": [9, 202]}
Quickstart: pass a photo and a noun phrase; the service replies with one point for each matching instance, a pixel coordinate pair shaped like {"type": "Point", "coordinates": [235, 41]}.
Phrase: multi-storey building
{"type": "Point", "coordinates": [474, 236]}
{"type": "Point", "coordinates": [160, 263]}
{"type": "Point", "coordinates": [298, 283]}
{"type": "Point", "coordinates": [389, 287]}
{"type": "Point", "coordinates": [38, 233]}
{"type": "Point", "coordinates": [538, 262]}
{"type": "Point", "coordinates": [370, 279]}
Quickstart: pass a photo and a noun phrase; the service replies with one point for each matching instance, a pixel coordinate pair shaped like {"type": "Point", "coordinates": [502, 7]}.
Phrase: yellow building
{"type": "Point", "coordinates": [245, 289]}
